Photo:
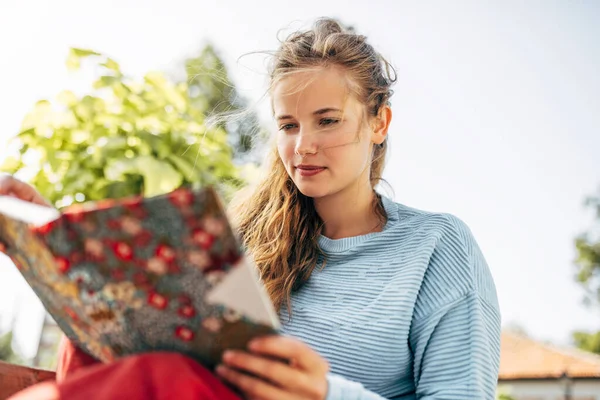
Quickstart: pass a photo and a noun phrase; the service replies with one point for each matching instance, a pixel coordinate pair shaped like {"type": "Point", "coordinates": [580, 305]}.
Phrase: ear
{"type": "Point", "coordinates": [381, 124]}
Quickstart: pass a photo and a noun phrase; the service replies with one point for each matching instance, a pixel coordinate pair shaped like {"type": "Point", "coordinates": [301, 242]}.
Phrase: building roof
{"type": "Point", "coordinates": [525, 358]}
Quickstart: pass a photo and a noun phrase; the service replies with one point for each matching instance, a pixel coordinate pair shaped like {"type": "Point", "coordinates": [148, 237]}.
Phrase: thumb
{"type": "Point", "coordinates": [11, 186]}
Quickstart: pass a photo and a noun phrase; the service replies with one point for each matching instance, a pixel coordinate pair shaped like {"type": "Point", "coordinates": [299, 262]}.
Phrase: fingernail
{"type": "Point", "coordinates": [253, 345]}
{"type": "Point", "coordinates": [228, 355]}
{"type": "Point", "coordinates": [220, 369]}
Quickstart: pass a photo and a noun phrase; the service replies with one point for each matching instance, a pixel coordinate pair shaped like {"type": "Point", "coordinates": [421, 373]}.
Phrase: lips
{"type": "Point", "coordinates": [309, 170]}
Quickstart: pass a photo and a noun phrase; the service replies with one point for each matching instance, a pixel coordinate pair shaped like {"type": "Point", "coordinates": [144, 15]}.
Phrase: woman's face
{"type": "Point", "coordinates": [323, 138]}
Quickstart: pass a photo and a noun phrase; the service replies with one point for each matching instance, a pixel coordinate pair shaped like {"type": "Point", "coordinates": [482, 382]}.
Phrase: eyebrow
{"type": "Point", "coordinates": [318, 112]}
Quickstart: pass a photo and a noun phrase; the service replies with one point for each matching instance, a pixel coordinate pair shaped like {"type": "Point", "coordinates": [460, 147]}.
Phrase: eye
{"type": "Point", "coordinates": [287, 127]}
{"type": "Point", "coordinates": [328, 121]}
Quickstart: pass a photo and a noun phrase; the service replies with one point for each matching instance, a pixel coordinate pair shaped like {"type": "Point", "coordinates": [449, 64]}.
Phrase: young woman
{"type": "Point", "coordinates": [377, 300]}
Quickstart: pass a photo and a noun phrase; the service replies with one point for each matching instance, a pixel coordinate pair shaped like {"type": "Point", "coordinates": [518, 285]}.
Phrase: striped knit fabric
{"type": "Point", "coordinates": [407, 313]}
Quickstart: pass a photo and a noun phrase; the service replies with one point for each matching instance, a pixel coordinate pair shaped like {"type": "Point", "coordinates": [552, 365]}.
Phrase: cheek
{"type": "Point", "coordinates": [353, 155]}
{"type": "Point", "coordinates": [285, 151]}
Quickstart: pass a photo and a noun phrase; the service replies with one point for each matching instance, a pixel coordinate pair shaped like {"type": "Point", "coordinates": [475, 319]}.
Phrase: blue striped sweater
{"type": "Point", "coordinates": [407, 313]}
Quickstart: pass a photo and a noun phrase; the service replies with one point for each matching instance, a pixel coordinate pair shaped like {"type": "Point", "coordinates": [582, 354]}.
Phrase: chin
{"type": "Point", "coordinates": [315, 191]}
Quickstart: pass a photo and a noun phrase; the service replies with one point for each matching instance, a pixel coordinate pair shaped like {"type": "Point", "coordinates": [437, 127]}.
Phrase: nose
{"type": "Point", "coordinates": [306, 143]}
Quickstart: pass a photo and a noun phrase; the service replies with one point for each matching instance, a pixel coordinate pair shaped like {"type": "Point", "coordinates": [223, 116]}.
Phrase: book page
{"type": "Point", "coordinates": [241, 291]}
{"type": "Point", "coordinates": [27, 212]}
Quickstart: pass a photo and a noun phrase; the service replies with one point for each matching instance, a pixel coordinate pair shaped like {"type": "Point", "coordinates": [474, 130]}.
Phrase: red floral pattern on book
{"type": "Point", "coordinates": [129, 276]}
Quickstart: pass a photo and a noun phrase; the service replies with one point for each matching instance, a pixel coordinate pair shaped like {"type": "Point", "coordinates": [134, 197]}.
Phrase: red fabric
{"type": "Point", "coordinates": [71, 358]}
{"type": "Point", "coordinates": [41, 391]}
{"type": "Point", "coordinates": [150, 376]}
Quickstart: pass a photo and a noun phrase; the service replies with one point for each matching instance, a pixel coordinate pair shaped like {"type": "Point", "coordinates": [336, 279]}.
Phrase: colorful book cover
{"type": "Point", "coordinates": [135, 275]}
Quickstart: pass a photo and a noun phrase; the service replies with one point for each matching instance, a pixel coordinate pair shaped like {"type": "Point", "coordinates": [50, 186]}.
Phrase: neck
{"type": "Point", "coordinates": [348, 213]}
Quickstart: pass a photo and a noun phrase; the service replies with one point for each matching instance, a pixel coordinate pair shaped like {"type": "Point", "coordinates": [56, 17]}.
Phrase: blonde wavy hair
{"type": "Point", "coordinates": [278, 225]}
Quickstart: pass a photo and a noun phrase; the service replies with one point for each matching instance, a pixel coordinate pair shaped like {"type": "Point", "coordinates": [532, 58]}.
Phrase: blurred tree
{"type": "Point", "coordinates": [127, 136]}
{"type": "Point", "coordinates": [504, 396]}
{"type": "Point", "coordinates": [588, 250]}
{"type": "Point", "coordinates": [7, 354]}
{"type": "Point", "coordinates": [210, 88]}
{"type": "Point", "coordinates": [589, 341]}
{"type": "Point", "coordinates": [588, 273]}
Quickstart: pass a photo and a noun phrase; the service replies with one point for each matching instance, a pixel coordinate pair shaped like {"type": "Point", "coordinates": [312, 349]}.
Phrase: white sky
{"type": "Point", "coordinates": [496, 113]}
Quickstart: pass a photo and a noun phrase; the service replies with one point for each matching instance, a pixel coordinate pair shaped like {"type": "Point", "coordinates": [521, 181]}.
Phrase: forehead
{"type": "Point", "coordinates": [307, 91]}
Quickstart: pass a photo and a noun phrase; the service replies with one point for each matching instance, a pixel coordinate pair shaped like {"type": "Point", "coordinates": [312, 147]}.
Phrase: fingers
{"type": "Point", "coordinates": [300, 354]}
{"type": "Point", "coordinates": [262, 375]}
{"type": "Point", "coordinates": [11, 186]}
{"type": "Point", "coordinates": [274, 371]}
{"type": "Point", "coordinates": [253, 388]}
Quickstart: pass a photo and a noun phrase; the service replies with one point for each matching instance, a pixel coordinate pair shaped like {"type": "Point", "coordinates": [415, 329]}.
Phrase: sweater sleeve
{"type": "Point", "coordinates": [456, 355]}
{"type": "Point", "coordinates": [455, 329]}
{"type": "Point", "coordinates": [456, 351]}
{"type": "Point", "coordinates": [455, 332]}
{"type": "Point", "coordinates": [341, 388]}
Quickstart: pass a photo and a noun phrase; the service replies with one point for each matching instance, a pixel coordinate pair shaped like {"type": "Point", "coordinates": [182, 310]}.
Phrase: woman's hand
{"type": "Point", "coordinates": [259, 374]}
{"type": "Point", "coordinates": [11, 186]}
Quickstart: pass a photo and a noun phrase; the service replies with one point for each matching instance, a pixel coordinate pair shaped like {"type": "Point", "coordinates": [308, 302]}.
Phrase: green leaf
{"type": "Point", "coordinates": [115, 170]}
{"type": "Point", "coordinates": [118, 143]}
{"type": "Point", "coordinates": [159, 176]}
{"type": "Point", "coordinates": [73, 62]}
{"type": "Point", "coordinates": [187, 170]}
{"type": "Point", "coordinates": [75, 55]}
{"type": "Point", "coordinates": [106, 81]}
{"type": "Point", "coordinates": [45, 187]}
{"type": "Point", "coordinates": [67, 98]}
{"type": "Point", "coordinates": [79, 136]}
{"type": "Point", "coordinates": [77, 179]}
{"type": "Point", "coordinates": [158, 144]}
{"type": "Point", "coordinates": [11, 165]}
{"type": "Point", "coordinates": [81, 53]}
{"type": "Point", "coordinates": [26, 132]}
{"type": "Point", "coordinates": [112, 65]}
{"type": "Point", "coordinates": [116, 190]}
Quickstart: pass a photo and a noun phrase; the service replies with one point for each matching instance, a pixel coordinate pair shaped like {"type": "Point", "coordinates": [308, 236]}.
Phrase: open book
{"type": "Point", "coordinates": [140, 274]}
